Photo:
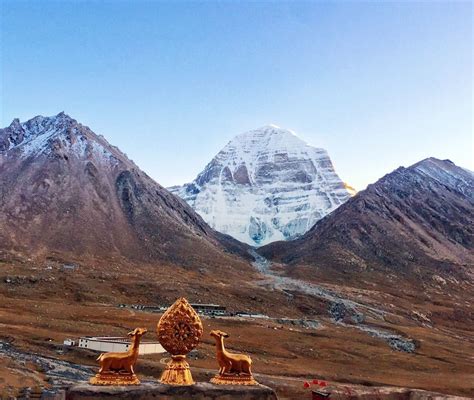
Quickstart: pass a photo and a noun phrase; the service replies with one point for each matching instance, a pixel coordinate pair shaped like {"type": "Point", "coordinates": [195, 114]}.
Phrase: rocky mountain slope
{"type": "Point", "coordinates": [64, 189]}
{"type": "Point", "coordinates": [265, 185]}
{"type": "Point", "coordinates": [413, 220]}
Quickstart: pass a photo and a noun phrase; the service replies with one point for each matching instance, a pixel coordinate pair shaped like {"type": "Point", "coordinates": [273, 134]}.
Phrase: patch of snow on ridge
{"type": "Point", "coordinates": [79, 147]}
{"type": "Point", "coordinates": [265, 185]}
{"type": "Point", "coordinates": [34, 136]}
{"type": "Point", "coordinates": [59, 134]}
{"type": "Point", "coordinates": [101, 152]}
{"type": "Point", "coordinates": [448, 174]}
{"type": "Point", "coordinates": [37, 144]}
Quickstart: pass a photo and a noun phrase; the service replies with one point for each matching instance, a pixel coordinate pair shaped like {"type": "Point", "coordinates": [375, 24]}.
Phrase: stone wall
{"type": "Point", "coordinates": [147, 391]}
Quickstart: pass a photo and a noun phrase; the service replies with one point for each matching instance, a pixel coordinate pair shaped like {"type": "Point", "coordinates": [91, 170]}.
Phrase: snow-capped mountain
{"type": "Point", "coordinates": [265, 185]}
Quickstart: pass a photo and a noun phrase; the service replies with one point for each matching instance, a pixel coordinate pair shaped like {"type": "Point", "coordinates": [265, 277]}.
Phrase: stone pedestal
{"type": "Point", "coordinates": [148, 391]}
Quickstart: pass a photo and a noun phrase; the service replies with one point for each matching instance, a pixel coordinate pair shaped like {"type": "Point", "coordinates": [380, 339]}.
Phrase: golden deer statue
{"type": "Point", "coordinates": [118, 368]}
{"type": "Point", "coordinates": [234, 369]}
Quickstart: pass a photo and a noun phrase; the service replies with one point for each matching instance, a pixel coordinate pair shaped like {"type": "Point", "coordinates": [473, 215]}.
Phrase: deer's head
{"type": "Point", "coordinates": [217, 334]}
{"type": "Point", "coordinates": [139, 332]}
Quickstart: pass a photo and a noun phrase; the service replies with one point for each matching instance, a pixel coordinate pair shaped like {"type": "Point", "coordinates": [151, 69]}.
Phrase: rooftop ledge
{"type": "Point", "coordinates": [146, 391]}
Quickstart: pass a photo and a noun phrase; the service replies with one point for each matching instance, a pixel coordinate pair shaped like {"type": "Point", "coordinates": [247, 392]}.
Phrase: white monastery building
{"type": "Point", "coordinates": [117, 344]}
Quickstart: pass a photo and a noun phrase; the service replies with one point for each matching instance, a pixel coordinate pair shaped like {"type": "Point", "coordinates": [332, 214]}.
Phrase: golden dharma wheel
{"type": "Point", "coordinates": [179, 331]}
{"type": "Point", "coordinates": [180, 328]}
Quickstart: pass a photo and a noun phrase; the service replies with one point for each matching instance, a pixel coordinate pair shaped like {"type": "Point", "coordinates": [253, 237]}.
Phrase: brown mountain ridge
{"type": "Point", "coordinates": [66, 190]}
{"type": "Point", "coordinates": [417, 219]}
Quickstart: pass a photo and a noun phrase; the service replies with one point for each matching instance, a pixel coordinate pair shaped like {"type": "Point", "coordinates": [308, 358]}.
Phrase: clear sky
{"type": "Point", "coordinates": [378, 84]}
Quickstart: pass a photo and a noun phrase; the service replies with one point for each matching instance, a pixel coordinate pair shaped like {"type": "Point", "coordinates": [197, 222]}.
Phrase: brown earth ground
{"type": "Point", "coordinates": [41, 304]}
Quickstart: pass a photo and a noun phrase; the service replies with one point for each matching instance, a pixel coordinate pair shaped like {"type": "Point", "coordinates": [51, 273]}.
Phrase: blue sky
{"type": "Point", "coordinates": [378, 84]}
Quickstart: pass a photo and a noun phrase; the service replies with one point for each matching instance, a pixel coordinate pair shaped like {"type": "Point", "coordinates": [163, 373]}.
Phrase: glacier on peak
{"type": "Point", "coordinates": [265, 185]}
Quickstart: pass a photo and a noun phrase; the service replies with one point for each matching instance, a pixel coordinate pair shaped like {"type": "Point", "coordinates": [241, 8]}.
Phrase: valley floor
{"type": "Point", "coordinates": [42, 305]}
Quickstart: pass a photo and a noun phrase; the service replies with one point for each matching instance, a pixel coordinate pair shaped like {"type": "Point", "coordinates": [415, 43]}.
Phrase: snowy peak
{"type": "Point", "coordinates": [448, 174]}
{"type": "Point", "coordinates": [263, 141]}
{"type": "Point", "coordinates": [267, 132]}
{"type": "Point", "coordinates": [33, 133]}
{"type": "Point", "coordinates": [258, 157]}
{"type": "Point", "coordinates": [56, 136]}
{"type": "Point", "coordinates": [266, 184]}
